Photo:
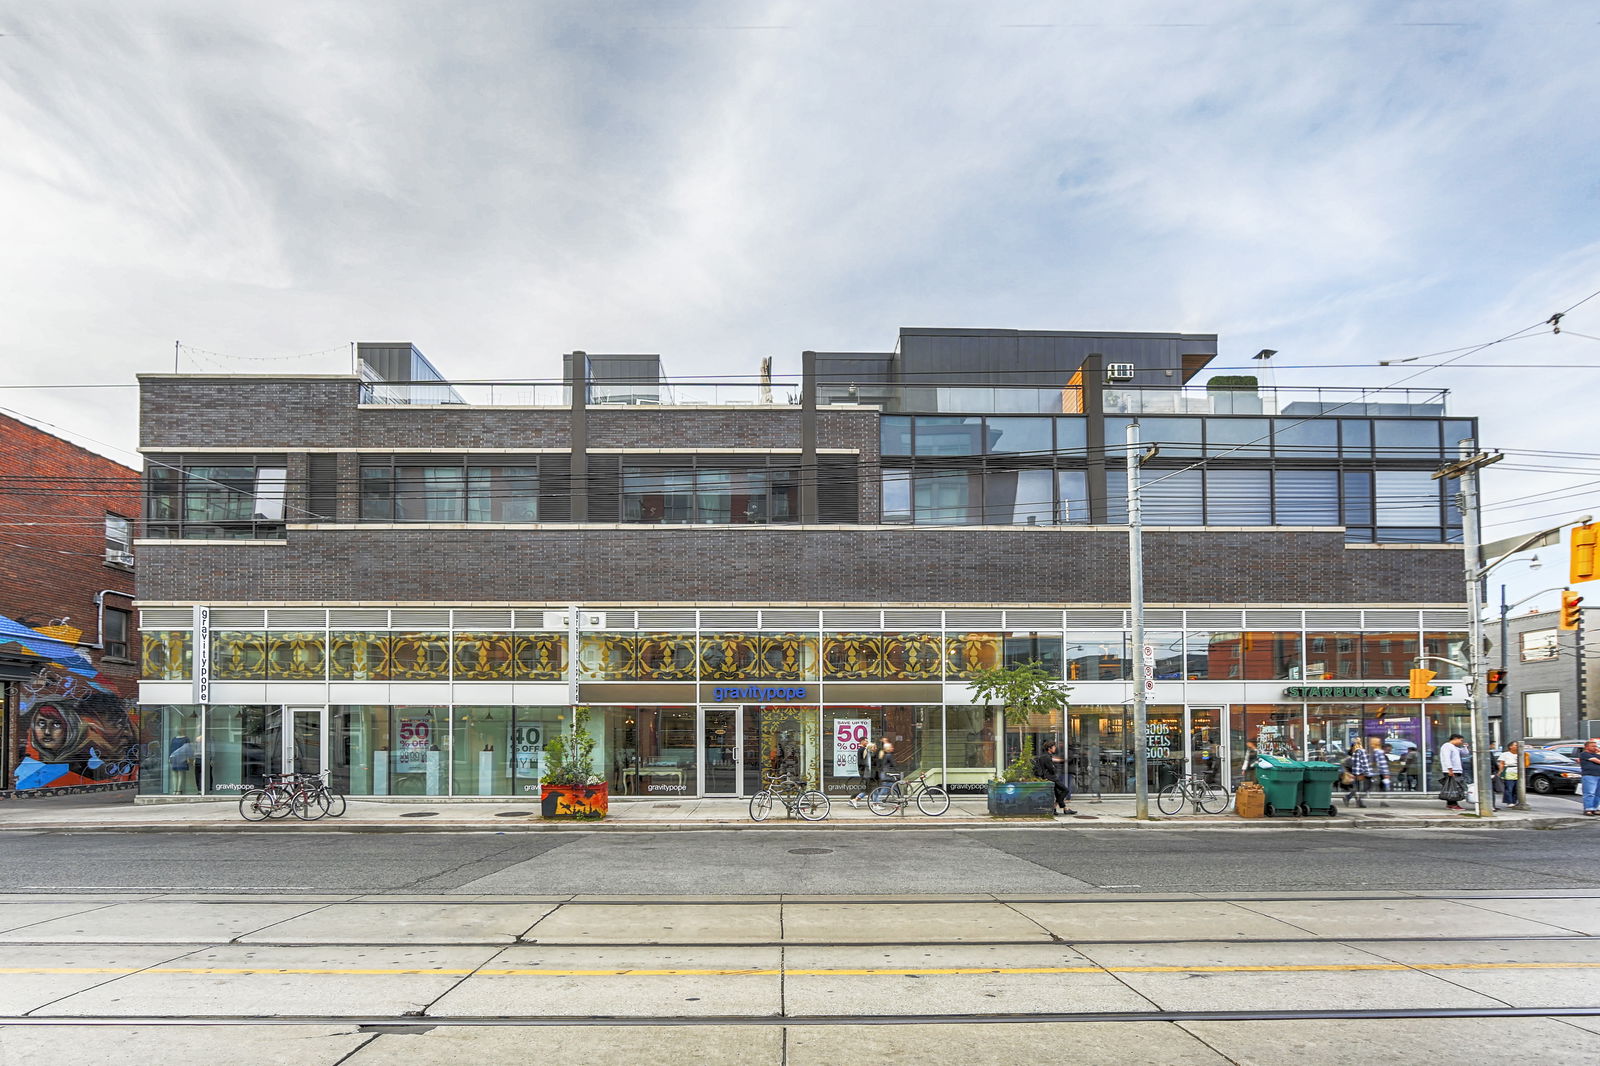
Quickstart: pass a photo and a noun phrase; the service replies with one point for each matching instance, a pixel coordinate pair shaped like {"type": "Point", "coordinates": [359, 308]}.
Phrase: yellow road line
{"type": "Point", "coordinates": [886, 971]}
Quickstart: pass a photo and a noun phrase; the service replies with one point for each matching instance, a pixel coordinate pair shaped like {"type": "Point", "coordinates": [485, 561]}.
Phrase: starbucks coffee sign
{"type": "Point", "coordinates": [1359, 692]}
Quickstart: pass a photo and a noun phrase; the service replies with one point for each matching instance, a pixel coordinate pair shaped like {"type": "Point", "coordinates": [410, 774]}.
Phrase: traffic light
{"type": "Point", "coordinates": [1496, 682]}
{"type": "Point", "coordinates": [1585, 540]}
{"type": "Point", "coordinates": [1073, 671]}
{"type": "Point", "coordinates": [1422, 684]}
{"type": "Point", "coordinates": [1571, 613]}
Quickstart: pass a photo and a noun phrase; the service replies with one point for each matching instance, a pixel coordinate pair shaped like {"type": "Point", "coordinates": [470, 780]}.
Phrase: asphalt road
{"type": "Point", "coordinates": [1052, 859]}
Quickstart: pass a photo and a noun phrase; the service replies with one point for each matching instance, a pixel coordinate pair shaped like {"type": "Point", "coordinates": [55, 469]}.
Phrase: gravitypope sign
{"type": "Point", "coordinates": [1359, 692]}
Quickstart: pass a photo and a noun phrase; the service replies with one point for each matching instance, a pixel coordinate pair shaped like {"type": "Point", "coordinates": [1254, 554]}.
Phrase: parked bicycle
{"type": "Point", "coordinates": [898, 794]}
{"type": "Point", "coordinates": [1191, 788]}
{"type": "Point", "coordinates": [795, 795]}
{"type": "Point", "coordinates": [306, 796]}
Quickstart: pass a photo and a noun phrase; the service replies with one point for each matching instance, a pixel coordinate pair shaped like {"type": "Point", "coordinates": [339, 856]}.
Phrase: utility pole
{"type": "Point", "coordinates": [1477, 705]}
{"type": "Point", "coordinates": [1141, 793]}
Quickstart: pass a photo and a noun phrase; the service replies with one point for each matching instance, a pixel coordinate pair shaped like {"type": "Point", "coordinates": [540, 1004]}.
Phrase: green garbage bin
{"type": "Point", "coordinates": [1317, 795]}
{"type": "Point", "coordinates": [1283, 780]}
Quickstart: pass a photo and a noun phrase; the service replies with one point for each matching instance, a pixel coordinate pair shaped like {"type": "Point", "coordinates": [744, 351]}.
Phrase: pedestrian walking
{"type": "Point", "coordinates": [1252, 759]}
{"type": "Point", "coordinates": [1378, 756]}
{"type": "Point", "coordinates": [867, 770]}
{"type": "Point", "coordinates": [1049, 765]}
{"type": "Point", "coordinates": [1589, 761]}
{"type": "Point", "coordinates": [1510, 770]}
{"type": "Point", "coordinates": [1452, 786]}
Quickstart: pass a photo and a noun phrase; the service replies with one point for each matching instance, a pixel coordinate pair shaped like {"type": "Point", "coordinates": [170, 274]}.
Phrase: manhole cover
{"type": "Point", "coordinates": [810, 851]}
{"type": "Point", "coordinates": [420, 814]}
{"type": "Point", "coordinates": [1085, 817]}
{"type": "Point", "coordinates": [511, 814]}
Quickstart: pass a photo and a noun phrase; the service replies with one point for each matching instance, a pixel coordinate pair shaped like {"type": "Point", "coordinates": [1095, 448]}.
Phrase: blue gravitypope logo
{"type": "Point", "coordinates": [757, 694]}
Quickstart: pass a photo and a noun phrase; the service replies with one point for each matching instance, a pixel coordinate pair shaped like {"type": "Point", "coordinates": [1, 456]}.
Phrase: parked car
{"type": "Point", "coordinates": [1567, 748]}
{"type": "Point", "coordinates": [1550, 772]}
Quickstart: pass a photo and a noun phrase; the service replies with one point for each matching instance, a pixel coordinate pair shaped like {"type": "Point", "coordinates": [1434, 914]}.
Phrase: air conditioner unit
{"type": "Point", "coordinates": [1119, 372]}
{"type": "Point", "coordinates": [121, 558]}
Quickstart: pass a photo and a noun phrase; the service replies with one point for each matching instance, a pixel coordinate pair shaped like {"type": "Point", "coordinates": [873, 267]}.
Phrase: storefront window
{"type": "Point", "coordinates": [1170, 655]}
{"type": "Point", "coordinates": [243, 745]}
{"type": "Point", "coordinates": [169, 737]}
{"type": "Point", "coordinates": [1388, 656]}
{"type": "Point", "coordinates": [1274, 729]}
{"type": "Point", "coordinates": [969, 748]}
{"type": "Point", "coordinates": [1448, 646]}
{"type": "Point", "coordinates": [1205, 743]}
{"type": "Point", "coordinates": [296, 656]}
{"type": "Point", "coordinates": [1224, 654]}
{"type": "Point", "coordinates": [238, 655]}
{"type": "Point", "coordinates": [1333, 656]}
{"type": "Point", "coordinates": [1271, 656]}
{"type": "Point", "coordinates": [914, 731]}
{"type": "Point", "coordinates": [419, 758]}
{"type": "Point", "coordinates": [419, 657]}
{"type": "Point", "coordinates": [1044, 649]}
{"type": "Point", "coordinates": [969, 654]}
{"type": "Point", "coordinates": [650, 751]}
{"type": "Point", "coordinates": [359, 759]}
{"type": "Point", "coordinates": [608, 657]}
{"type": "Point", "coordinates": [1095, 656]}
{"type": "Point", "coordinates": [782, 740]}
{"type": "Point", "coordinates": [483, 656]}
{"type": "Point", "coordinates": [358, 656]}
{"type": "Point", "coordinates": [1099, 753]}
{"type": "Point", "coordinates": [1163, 746]}
{"type": "Point", "coordinates": [499, 751]}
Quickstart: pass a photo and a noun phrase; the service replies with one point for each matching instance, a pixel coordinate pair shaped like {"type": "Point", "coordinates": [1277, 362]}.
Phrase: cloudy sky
{"type": "Point", "coordinates": [501, 181]}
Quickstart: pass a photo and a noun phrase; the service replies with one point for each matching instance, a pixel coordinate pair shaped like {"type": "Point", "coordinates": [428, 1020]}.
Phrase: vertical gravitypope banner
{"type": "Point", "coordinates": [849, 735]}
{"type": "Point", "coordinates": [202, 655]}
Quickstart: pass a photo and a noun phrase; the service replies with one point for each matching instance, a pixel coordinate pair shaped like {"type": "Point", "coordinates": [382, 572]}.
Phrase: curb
{"type": "Point", "coordinates": [1121, 824]}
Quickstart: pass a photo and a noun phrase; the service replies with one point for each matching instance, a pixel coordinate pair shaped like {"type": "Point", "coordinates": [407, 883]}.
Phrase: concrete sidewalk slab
{"type": "Point", "coordinates": [38, 990]}
{"type": "Point", "coordinates": [1572, 915]}
{"type": "Point", "coordinates": [932, 923]}
{"type": "Point", "coordinates": [20, 915]}
{"type": "Point", "coordinates": [639, 994]}
{"type": "Point", "coordinates": [961, 993]}
{"type": "Point", "coordinates": [1118, 1043]}
{"type": "Point", "coordinates": [589, 1045]}
{"type": "Point", "coordinates": [1187, 978]}
{"type": "Point", "coordinates": [686, 924]}
{"type": "Point", "coordinates": [1377, 918]}
{"type": "Point", "coordinates": [1134, 920]}
{"type": "Point", "coordinates": [258, 992]}
{"type": "Point", "coordinates": [303, 1045]}
{"type": "Point", "coordinates": [403, 923]}
{"type": "Point", "coordinates": [155, 923]}
{"type": "Point", "coordinates": [1412, 1040]}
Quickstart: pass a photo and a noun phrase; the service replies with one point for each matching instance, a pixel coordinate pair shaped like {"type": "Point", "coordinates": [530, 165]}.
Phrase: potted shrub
{"type": "Point", "coordinates": [570, 788]}
{"type": "Point", "coordinates": [1021, 690]}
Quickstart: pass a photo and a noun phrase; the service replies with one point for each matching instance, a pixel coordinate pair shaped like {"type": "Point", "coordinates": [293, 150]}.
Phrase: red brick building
{"type": "Point", "coordinates": [67, 518]}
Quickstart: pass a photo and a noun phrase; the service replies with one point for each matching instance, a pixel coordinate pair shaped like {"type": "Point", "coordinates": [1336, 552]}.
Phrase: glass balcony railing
{"type": "Point", "coordinates": [1140, 400]}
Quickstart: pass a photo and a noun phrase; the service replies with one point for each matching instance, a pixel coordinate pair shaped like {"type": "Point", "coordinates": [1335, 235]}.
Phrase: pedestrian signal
{"type": "Point", "coordinates": [1422, 686]}
{"type": "Point", "coordinates": [1571, 613]}
{"type": "Point", "coordinates": [1585, 541]}
{"type": "Point", "coordinates": [1496, 682]}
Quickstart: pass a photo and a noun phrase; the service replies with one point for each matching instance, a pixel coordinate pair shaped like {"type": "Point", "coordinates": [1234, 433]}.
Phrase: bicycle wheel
{"type": "Point", "coordinates": [1170, 801]}
{"type": "Point", "coordinates": [282, 802]}
{"type": "Point", "coordinates": [255, 805]}
{"type": "Point", "coordinates": [885, 800]}
{"type": "Point", "coordinates": [336, 804]}
{"type": "Point", "coordinates": [933, 801]}
{"type": "Point", "coordinates": [303, 803]}
{"type": "Point", "coordinates": [760, 805]}
{"type": "Point", "coordinates": [1214, 799]}
{"type": "Point", "coordinates": [813, 806]}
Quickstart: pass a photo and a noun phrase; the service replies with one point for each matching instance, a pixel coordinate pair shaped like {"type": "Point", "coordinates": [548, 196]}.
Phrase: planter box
{"type": "Point", "coordinates": [574, 801]}
{"type": "Point", "coordinates": [1022, 799]}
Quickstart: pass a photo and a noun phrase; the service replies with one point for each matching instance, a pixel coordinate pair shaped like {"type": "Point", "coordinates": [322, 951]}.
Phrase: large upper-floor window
{"type": "Point", "coordinates": [433, 488]}
{"type": "Point", "coordinates": [710, 489]}
{"type": "Point", "coordinates": [224, 497]}
{"type": "Point", "coordinates": [119, 540]}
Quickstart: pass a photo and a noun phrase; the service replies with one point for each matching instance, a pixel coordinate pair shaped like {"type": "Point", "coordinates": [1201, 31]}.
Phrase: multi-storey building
{"type": "Point", "coordinates": [68, 647]}
{"type": "Point", "coordinates": [1552, 687]}
{"type": "Point", "coordinates": [412, 582]}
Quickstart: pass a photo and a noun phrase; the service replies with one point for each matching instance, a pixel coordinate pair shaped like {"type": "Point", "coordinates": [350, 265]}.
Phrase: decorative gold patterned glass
{"type": "Point", "coordinates": [419, 657]}
{"type": "Point", "coordinates": [787, 657]}
{"type": "Point", "coordinates": [729, 656]}
{"type": "Point", "coordinates": [666, 656]}
{"type": "Point", "coordinates": [966, 654]}
{"type": "Point", "coordinates": [852, 656]}
{"type": "Point", "coordinates": [608, 657]}
{"type": "Point", "coordinates": [167, 654]}
{"type": "Point", "coordinates": [238, 655]}
{"type": "Point", "coordinates": [912, 657]}
{"type": "Point", "coordinates": [484, 657]}
{"type": "Point", "coordinates": [358, 656]}
{"type": "Point", "coordinates": [540, 656]}
{"type": "Point", "coordinates": [296, 656]}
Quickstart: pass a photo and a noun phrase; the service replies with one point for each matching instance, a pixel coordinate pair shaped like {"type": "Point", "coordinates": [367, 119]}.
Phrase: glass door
{"type": "Point", "coordinates": [305, 742]}
{"type": "Point", "coordinates": [1206, 750]}
{"type": "Point", "coordinates": [720, 751]}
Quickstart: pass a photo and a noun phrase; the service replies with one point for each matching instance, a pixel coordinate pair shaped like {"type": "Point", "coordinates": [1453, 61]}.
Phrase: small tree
{"type": "Point", "coordinates": [569, 757]}
{"type": "Point", "coordinates": [1021, 689]}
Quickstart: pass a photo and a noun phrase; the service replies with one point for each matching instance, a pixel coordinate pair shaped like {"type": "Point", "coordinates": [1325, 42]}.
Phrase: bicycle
{"type": "Point", "coordinates": [1191, 788]}
{"type": "Point", "coordinates": [931, 800]}
{"type": "Point", "coordinates": [332, 803]}
{"type": "Point", "coordinates": [796, 798]}
{"type": "Point", "coordinates": [274, 800]}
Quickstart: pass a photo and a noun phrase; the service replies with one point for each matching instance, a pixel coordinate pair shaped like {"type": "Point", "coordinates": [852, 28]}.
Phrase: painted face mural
{"type": "Point", "coordinates": [74, 734]}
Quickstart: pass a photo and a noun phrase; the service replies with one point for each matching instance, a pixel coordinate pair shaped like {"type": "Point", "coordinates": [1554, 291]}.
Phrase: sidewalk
{"type": "Point", "coordinates": [966, 812]}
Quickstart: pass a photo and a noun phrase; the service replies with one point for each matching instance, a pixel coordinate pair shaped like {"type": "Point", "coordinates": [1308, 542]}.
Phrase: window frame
{"type": "Point", "coordinates": [191, 500]}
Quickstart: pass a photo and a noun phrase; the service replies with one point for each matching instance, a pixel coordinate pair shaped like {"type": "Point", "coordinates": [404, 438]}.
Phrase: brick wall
{"type": "Point", "coordinates": [54, 497]}
{"type": "Point", "coordinates": [1030, 565]}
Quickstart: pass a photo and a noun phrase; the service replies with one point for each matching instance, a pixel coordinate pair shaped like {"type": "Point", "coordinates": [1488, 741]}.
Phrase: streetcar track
{"type": "Point", "coordinates": [385, 1023]}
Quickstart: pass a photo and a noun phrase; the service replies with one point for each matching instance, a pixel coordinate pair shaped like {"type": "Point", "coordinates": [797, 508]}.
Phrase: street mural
{"type": "Point", "coordinates": [72, 733]}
